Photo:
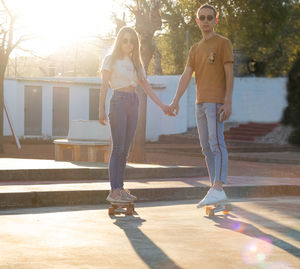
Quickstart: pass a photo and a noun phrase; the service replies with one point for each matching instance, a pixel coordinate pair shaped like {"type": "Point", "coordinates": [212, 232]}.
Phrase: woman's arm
{"type": "Point", "coordinates": [149, 91]}
{"type": "Point", "coordinates": [102, 96]}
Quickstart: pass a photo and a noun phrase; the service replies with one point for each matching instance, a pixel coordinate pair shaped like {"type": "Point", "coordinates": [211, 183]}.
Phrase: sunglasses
{"type": "Point", "coordinates": [126, 41]}
{"type": "Point", "coordinates": [208, 17]}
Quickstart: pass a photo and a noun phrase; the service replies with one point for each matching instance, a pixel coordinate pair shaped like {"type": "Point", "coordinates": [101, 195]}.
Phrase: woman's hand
{"type": "Point", "coordinates": [102, 118]}
{"type": "Point", "coordinates": [167, 110]}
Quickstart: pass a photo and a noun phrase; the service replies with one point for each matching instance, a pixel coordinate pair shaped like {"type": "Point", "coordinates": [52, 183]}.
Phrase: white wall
{"type": "Point", "coordinates": [254, 99]}
{"type": "Point", "coordinates": [259, 99]}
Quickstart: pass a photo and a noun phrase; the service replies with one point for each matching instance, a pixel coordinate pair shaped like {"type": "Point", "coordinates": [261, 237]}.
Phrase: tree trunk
{"type": "Point", "coordinates": [157, 61]}
{"type": "Point", "coordinates": [137, 153]}
{"type": "Point", "coordinates": [138, 146]}
{"type": "Point", "coordinates": [1, 112]}
{"type": "Point", "coordinates": [147, 22]}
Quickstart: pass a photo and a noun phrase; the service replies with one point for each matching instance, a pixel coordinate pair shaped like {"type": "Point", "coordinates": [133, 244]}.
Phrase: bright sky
{"type": "Point", "coordinates": [58, 23]}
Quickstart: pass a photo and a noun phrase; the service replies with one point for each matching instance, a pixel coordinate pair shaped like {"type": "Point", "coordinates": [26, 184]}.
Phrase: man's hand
{"type": "Point", "coordinates": [102, 118]}
{"type": "Point", "coordinates": [174, 106]}
{"type": "Point", "coordinates": [227, 108]}
{"type": "Point", "coordinates": [167, 110]}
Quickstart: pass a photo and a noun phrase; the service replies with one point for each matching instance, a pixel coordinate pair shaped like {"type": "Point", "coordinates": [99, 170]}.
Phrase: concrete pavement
{"type": "Point", "coordinates": [259, 233]}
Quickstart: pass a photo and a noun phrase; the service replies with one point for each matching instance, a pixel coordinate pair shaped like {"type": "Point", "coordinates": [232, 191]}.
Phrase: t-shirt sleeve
{"type": "Point", "coordinates": [106, 63]}
{"type": "Point", "coordinates": [191, 58]}
{"type": "Point", "coordinates": [227, 52]}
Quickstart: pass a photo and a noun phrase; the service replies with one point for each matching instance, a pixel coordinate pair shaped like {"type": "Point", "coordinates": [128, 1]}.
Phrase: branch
{"type": "Point", "coordinates": [32, 53]}
{"type": "Point", "coordinates": [12, 47]}
{"type": "Point", "coordinates": [6, 8]}
{"type": "Point", "coordinates": [10, 33]}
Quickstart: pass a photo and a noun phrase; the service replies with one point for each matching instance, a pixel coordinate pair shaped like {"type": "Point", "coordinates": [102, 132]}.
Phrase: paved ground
{"type": "Point", "coordinates": [259, 233]}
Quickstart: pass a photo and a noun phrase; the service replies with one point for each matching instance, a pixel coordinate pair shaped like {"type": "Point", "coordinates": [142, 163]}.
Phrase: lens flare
{"type": "Point", "coordinates": [239, 227]}
{"type": "Point", "coordinates": [257, 251]}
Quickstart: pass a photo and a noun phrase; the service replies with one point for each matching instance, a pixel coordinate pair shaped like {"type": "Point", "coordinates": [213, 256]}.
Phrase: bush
{"type": "Point", "coordinates": [291, 115]}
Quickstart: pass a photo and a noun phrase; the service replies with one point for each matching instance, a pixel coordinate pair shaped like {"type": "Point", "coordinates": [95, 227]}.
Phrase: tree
{"type": "Point", "coordinates": [147, 22]}
{"type": "Point", "coordinates": [291, 115]}
{"type": "Point", "coordinates": [7, 45]}
{"type": "Point", "coordinates": [265, 31]}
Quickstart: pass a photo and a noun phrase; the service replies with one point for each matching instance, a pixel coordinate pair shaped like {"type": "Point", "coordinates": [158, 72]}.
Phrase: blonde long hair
{"type": "Point", "coordinates": [135, 56]}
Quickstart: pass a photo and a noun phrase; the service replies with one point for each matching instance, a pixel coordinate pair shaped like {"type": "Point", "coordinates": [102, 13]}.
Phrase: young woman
{"type": "Point", "coordinates": [122, 71]}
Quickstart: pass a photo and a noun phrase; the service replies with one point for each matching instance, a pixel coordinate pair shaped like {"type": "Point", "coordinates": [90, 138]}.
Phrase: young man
{"type": "Point", "coordinates": [212, 61]}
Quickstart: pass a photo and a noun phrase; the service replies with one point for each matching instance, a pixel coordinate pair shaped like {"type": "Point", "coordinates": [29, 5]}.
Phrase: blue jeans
{"type": "Point", "coordinates": [123, 116]}
{"type": "Point", "coordinates": [212, 142]}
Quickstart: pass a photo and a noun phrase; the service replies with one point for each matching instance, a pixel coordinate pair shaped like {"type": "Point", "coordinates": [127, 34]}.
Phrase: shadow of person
{"type": "Point", "coordinates": [147, 250]}
{"type": "Point", "coordinates": [226, 222]}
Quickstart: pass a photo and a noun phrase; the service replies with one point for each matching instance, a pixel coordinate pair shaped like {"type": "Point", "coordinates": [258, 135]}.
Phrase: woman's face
{"type": "Point", "coordinates": [127, 44]}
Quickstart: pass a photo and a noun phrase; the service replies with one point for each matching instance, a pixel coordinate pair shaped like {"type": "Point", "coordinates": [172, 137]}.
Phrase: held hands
{"type": "Point", "coordinates": [171, 110]}
{"type": "Point", "coordinates": [167, 110]}
{"type": "Point", "coordinates": [174, 106]}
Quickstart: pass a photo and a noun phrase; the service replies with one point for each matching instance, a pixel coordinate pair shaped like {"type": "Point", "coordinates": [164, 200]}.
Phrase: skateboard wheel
{"type": "Point", "coordinates": [129, 211]}
{"type": "Point", "coordinates": [111, 211]}
{"type": "Point", "coordinates": [228, 207]}
{"type": "Point", "coordinates": [207, 210]}
{"type": "Point", "coordinates": [211, 213]}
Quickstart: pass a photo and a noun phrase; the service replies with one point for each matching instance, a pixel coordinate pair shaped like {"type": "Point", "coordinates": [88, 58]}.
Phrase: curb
{"type": "Point", "coordinates": [91, 197]}
{"type": "Point", "coordinates": [263, 160]}
{"type": "Point", "coordinates": [99, 173]}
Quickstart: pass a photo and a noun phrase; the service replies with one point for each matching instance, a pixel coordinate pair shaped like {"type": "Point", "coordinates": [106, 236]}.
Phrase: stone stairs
{"type": "Point", "coordinates": [249, 131]}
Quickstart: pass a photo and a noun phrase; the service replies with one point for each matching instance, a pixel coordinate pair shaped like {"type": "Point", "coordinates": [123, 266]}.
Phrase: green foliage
{"type": "Point", "coordinates": [294, 138]}
{"type": "Point", "coordinates": [291, 114]}
{"type": "Point", "coordinates": [264, 31]}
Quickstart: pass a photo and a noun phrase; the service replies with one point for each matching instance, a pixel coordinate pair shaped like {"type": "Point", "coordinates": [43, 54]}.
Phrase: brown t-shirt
{"type": "Point", "coordinates": [207, 59]}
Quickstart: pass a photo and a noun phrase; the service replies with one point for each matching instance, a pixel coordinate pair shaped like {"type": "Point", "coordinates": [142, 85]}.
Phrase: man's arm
{"type": "Point", "coordinates": [227, 107]}
{"type": "Point", "coordinates": [182, 86]}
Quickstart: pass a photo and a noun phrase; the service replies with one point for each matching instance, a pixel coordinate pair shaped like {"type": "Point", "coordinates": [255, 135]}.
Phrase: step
{"type": "Point", "coordinates": [45, 170]}
{"type": "Point", "coordinates": [240, 137]}
{"type": "Point", "coordinates": [250, 132]}
{"type": "Point", "coordinates": [28, 195]}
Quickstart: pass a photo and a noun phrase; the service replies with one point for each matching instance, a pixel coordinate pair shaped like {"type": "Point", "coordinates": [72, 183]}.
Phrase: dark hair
{"type": "Point", "coordinates": [207, 6]}
{"type": "Point", "coordinates": [135, 56]}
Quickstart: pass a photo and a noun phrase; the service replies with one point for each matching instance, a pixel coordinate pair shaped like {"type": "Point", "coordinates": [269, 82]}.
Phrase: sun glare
{"type": "Point", "coordinates": [58, 23]}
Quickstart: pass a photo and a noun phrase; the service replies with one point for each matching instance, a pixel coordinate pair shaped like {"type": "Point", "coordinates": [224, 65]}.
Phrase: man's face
{"type": "Point", "coordinates": [206, 20]}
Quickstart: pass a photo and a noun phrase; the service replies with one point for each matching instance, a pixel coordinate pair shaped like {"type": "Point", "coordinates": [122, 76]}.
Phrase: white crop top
{"type": "Point", "coordinates": [123, 73]}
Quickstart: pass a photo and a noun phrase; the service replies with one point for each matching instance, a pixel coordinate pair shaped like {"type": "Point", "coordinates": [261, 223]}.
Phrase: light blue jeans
{"type": "Point", "coordinates": [212, 142]}
{"type": "Point", "coordinates": [123, 116]}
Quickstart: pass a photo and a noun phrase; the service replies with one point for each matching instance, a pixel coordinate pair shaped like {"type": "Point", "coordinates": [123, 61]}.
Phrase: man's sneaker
{"type": "Point", "coordinates": [117, 199]}
{"type": "Point", "coordinates": [213, 196]}
{"type": "Point", "coordinates": [129, 195]}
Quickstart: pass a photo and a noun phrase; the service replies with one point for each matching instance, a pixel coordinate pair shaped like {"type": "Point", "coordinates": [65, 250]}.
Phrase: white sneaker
{"type": "Point", "coordinates": [127, 195]}
{"type": "Point", "coordinates": [117, 199]}
{"type": "Point", "coordinates": [213, 196]}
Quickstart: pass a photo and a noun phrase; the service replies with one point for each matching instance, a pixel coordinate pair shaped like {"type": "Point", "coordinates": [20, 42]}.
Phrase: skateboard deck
{"type": "Point", "coordinates": [210, 210]}
{"type": "Point", "coordinates": [119, 208]}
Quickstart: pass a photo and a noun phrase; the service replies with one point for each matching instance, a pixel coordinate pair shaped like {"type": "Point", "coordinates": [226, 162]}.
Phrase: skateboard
{"type": "Point", "coordinates": [118, 208]}
{"type": "Point", "coordinates": [210, 210]}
